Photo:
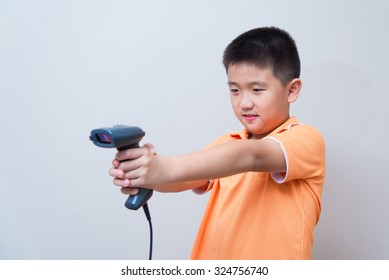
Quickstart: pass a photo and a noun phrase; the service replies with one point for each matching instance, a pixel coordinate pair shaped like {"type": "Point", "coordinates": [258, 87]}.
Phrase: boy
{"type": "Point", "coordinates": [265, 181]}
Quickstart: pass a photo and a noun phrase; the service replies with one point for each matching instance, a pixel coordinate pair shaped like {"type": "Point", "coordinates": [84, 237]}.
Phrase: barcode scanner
{"type": "Point", "coordinates": [123, 137]}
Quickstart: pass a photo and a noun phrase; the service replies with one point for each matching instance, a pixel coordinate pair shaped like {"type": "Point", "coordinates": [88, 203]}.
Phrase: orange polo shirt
{"type": "Point", "coordinates": [258, 215]}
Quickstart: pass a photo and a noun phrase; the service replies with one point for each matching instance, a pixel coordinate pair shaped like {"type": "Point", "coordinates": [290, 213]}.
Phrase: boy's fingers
{"type": "Point", "coordinates": [118, 173]}
{"type": "Point", "coordinates": [129, 183]}
{"type": "Point", "coordinates": [115, 163]}
{"type": "Point", "coordinates": [129, 191]}
{"type": "Point", "coordinates": [121, 182]}
{"type": "Point", "coordinates": [151, 148]}
{"type": "Point", "coordinates": [129, 166]}
{"type": "Point", "coordinates": [134, 183]}
{"type": "Point", "coordinates": [129, 154]}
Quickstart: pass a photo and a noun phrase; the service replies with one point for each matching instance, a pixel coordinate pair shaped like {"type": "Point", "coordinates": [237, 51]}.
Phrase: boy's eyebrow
{"type": "Point", "coordinates": [258, 83]}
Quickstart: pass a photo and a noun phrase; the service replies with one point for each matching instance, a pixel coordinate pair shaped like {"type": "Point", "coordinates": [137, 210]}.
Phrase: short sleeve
{"type": "Point", "coordinates": [204, 189]}
{"type": "Point", "coordinates": [304, 150]}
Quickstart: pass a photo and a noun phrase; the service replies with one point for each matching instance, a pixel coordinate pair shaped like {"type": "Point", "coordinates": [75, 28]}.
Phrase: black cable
{"type": "Point", "coordinates": [148, 216]}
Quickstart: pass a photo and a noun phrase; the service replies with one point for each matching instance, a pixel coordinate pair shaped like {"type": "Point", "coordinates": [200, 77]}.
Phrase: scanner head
{"type": "Point", "coordinates": [119, 136]}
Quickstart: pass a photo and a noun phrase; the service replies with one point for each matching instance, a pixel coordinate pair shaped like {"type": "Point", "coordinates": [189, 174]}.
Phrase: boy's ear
{"type": "Point", "coordinates": [294, 90]}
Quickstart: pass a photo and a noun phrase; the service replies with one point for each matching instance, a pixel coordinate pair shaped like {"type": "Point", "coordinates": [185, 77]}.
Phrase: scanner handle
{"type": "Point", "coordinates": [134, 202]}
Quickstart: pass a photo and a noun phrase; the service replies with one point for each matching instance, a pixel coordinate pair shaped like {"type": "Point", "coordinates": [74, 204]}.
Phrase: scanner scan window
{"type": "Point", "coordinates": [103, 138]}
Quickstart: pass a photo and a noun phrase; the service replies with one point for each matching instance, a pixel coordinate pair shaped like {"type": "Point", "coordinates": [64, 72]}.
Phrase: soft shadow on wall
{"type": "Point", "coordinates": [341, 100]}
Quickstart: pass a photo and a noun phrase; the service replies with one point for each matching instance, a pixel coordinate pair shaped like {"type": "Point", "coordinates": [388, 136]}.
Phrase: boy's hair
{"type": "Point", "coordinates": [266, 47]}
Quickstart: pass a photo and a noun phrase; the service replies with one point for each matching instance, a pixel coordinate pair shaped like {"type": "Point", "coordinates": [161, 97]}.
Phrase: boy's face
{"type": "Point", "coordinates": [259, 100]}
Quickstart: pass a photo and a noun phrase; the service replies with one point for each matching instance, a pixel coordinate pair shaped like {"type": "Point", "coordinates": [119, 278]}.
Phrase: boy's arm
{"type": "Point", "coordinates": [143, 168]}
{"type": "Point", "coordinates": [181, 186]}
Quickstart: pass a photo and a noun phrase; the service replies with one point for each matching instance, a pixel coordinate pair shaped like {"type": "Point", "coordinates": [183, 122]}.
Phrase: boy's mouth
{"type": "Point", "coordinates": [250, 117]}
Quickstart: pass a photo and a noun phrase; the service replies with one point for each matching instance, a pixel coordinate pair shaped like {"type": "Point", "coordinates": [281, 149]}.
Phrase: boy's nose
{"type": "Point", "coordinates": [246, 102]}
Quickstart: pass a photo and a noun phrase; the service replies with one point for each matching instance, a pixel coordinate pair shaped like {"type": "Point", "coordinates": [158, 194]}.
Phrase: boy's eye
{"type": "Point", "coordinates": [234, 91]}
{"type": "Point", "coordinates": [258, 90]}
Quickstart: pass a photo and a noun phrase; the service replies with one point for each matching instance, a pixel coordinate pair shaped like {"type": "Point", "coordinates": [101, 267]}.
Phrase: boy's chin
{"type": "Point", "coordinates": [256, 134]}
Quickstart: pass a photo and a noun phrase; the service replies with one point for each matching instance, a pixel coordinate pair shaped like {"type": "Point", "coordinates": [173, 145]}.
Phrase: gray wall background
{"type": "Point", "coordinates": [67, 67]}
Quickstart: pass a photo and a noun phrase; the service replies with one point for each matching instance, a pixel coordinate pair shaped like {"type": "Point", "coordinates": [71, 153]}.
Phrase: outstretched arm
{"type": "Point", "coordinates": [141, 167]}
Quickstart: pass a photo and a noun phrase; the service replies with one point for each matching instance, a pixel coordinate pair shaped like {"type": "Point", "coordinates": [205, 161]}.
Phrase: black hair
{"type": "Point", "coordinates": [266, 47]}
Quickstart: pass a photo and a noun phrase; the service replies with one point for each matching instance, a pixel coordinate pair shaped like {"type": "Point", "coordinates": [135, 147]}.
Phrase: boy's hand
{"type": "Point", "coordinates": [132, 167]}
